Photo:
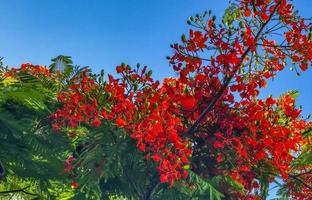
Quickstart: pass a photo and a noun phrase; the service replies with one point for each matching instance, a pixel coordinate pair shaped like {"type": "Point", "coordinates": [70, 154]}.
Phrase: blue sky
{"type": "Point", "coordinates": [104, 33]}
{"type": "Point", "coordinates": [98, 33]}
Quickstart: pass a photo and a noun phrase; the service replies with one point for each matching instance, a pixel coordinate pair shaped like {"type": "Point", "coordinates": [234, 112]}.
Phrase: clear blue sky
{"type": "Point", "coordinates": [104, 33]}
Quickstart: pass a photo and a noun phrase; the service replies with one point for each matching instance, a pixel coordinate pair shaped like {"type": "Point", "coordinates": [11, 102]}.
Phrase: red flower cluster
{"type": "Point", "coordinates": [35, 70]}
{"type": "Point", "coordinates": [149, 116]}
{"type": "Point", "coordinates": [210, 117]}
{"type": "Point", "coordinates": [79, 104]}
{"type": "Point", "coordinates": [68, 165]}
{"type": "Point", "coordinates": [241, 135]}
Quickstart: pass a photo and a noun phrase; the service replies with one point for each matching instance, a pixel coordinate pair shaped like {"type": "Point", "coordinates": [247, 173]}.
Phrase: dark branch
{"type": "Point", "coordinates": [275, 46]}
{"type": "Point", "coordinates": [300, 181]}
{"type": "Point", "coordinates": [151, 188]}
{"type": "Point", "coordinates": [23, 190]}
{"type": "Point", "coordinates": [2, 171]}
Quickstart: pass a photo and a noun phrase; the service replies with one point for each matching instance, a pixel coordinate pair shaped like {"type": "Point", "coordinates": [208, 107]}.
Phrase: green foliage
{"type": "Point", "coordinates": [30, 152]}
{"type": "Point", "coordinates": [109, 163]}
{"type": "Point", "coordinates": [220, 180]}
{"type": "Point", "coordinates": [62, 64]}
{"type": "Point", "coordinates": [203, 189]}
{"type": "Point", "coordinates": [231, 14]}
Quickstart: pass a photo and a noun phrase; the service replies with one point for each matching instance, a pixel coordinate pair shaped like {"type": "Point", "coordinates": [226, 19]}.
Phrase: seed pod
{"type": "Point", "coordinates": [183, 38]}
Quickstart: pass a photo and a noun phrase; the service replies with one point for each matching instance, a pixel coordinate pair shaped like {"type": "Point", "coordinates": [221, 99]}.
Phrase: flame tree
{"type": "Point", "coordinates": [204, 134]}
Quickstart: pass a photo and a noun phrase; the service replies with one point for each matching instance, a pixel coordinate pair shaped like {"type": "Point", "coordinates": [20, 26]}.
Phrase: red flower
{"type": "Point", "coordinates": [96, 122]}
{"type": "Point", "coordinates": [74, 185]}
{"type": "Point", "coordinates": [304, 66]}
{"type": "Point", "coordinates": [188, 102]}
{"type": "Point", "coordinates": [270, 101]}
{"type": "Point", "coordinates": [156, 157]}
{"type": "Point", "coordinates": [163, 178]}
{"type": "Point", "coordinates": [119, 69]}
{"type": "Point", "coordinates": [255, 185]}
{"type": "Point", "coordinates": [218, 145]}
{"type": "Point", "coordinates": [247, 12]}
{"type": "Point", "coordinates": [104, 114]}
{"type": "Point", "coordinates": [68, 165]}
{"type": "Point", "coordinates": [120, 122]}
{"type": "Point", "coordinates": [219, 158]}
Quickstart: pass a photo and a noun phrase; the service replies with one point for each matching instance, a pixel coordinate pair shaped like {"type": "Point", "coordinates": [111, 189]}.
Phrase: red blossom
{"type": "Point", "coordinates": [120, 122]}
{"type": "Point", "coordinates": [96, 122]}
{"type": "Point", "coordinates": [240, 128]}
{"type": "Point", "coordinates": [74, 185]}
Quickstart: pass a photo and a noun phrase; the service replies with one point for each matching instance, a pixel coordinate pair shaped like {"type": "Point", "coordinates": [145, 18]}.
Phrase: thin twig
{"type": "Point", "coordinates": [301, 181]}
{"type": "Point", "coordinates": [151, 189]}
{"type": "Point", "coordinates": [23, 190]}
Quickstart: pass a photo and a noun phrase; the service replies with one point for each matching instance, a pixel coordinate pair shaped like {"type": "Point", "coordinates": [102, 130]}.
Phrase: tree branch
{"type": "Point", "coordinates": [2, 170]}
{"type": "Point", "coordinates": [275, 46]}
{"type": "Point", "coordinates": [300, 180]}
{"type": "Point", "coordinates": [151, 189]}
{"type": "Point", "coordinates": [23, 190]}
